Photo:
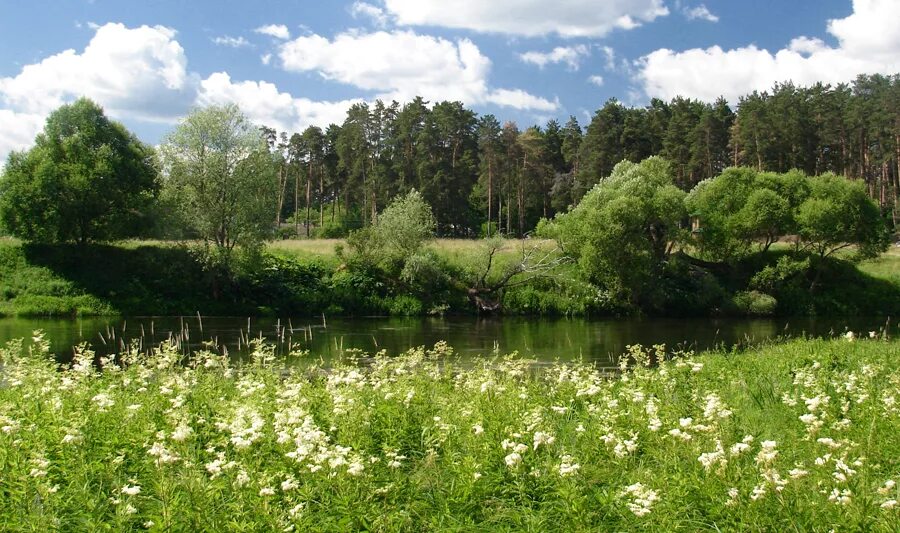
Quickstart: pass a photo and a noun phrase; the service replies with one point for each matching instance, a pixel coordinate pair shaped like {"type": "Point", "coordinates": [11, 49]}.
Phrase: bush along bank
{"type": "Point", "coordinates": [154, 279]}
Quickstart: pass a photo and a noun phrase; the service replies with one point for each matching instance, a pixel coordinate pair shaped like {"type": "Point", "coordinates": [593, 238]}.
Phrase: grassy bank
{"type": "Point", "coordinates": [799, 436]}
{"type": "Point", "coordinates": [307, 277]}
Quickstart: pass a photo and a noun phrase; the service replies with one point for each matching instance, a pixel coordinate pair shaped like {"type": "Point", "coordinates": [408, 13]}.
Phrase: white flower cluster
{"type": "Point", "coordinates": [641, 498]}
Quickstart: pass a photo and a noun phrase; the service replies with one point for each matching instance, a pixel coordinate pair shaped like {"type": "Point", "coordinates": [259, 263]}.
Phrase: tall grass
{"type": "Point", "coordinates": [800, 436]}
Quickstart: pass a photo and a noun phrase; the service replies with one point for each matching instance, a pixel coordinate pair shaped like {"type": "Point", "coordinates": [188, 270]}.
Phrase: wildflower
{"type": "Point", "coordinates": [567, 467]}
{"type": "Point", "coordinates": [266, 491]}
{"type": "Point", "coordinates": [873, 334]}
{"type": "Point", "coordinates": [850, 336]}
{"type": "Point", "coordinates": [580, 428]}
{"type": "Point", "coordinates": [103, 401]}
{"type": "Point", "coordinates": [130, 509]}
{"type": "Point", "coordinates": [356, 468]}
{"type": "Point", "coordinates": [72, 437]}
{"type": "Point", "coordinates": [739, 448]}
{"type": "Point", "coordinates": [732, 497]}
{"type": "Point", "coordinates": [768, 452]}
{"type": "Point", "coordinates": [543, 438]}
{"type": "Point", "coordinates": [512, 460]}
{"type": "Point", "coordinates": [840, 497]}
{"type": "Point", "coordinates": [131, 490]}
{"type": "Point", "coordinates": [289, 484]}
{"type": "Point", "coordinates": [827, 441]}
{"type": "Point", "coordinates": [887, 487]}
{"type": "Point", "coordinates": [295, 511]}
{"type": "Point", "coordinates": [477, 476]}
{"type": "Point", "coordinates": [889, 504]}
{"type": "Point", "coordinates": [560, 410]}
{"type": "Point", "coordinates": [642, 498]}
{"type": "Point", "coordinates": [182, 432]}
{"type": "Point", "coordinates": [711, 459]}
{"type": "Point", "coordinates": [477, 429]}
{"type": "Point", "coordinates": [148, 524]}
{"type": "Point", "coordinates": [758, 492]}
{"type": "Point", "coordinates": [162, 454]}
{"type": "Point", "coordinates": [797, 473]}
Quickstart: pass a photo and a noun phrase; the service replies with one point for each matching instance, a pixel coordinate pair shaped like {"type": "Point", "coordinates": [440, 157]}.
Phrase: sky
{"type": "Point", "coordinates": [293, 63]}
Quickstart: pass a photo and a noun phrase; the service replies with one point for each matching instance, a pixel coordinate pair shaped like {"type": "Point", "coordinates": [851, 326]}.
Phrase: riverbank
{"type": "Point", "coordinates": [295, 278]}
{"type": "Point", "coordinates": [799, 435]}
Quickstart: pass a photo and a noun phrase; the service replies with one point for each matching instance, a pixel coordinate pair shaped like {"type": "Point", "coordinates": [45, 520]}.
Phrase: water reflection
{"type": "Point", "coordinates": [596, 340]}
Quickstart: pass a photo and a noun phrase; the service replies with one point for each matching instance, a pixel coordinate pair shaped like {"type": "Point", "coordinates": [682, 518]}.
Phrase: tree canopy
{"type": "Point", "coordinates": [87, 178]}
{"type": "Point", "coordinates": [622, 230]}
{"type": "Point", "coordinates": [220, 177]}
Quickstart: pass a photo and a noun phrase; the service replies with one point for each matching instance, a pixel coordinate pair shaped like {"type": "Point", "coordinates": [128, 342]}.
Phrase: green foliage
{"type": "Point", "coordinates": [220, 178]}
{"type": "Point", "coordinates": [741, 208]}
{"type": "Point", "coordinates": [622, 230]}
{"type": "Point", "coordinates": [400, 232]}
{"type": "Point", "coordinates": [838, 214]}
{"type": "Point", "coordinates": [86, 179]}
{"type": "Point", "coordinates": [755, 303]}
{"type": "Point", "coordinates": [745, 442]}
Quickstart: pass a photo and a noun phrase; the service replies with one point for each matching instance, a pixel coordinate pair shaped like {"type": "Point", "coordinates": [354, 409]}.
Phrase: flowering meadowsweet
{"type": "Point", "coordinates": [567, 466]}
{"type": "Point", "coordinates": [641, 498]}
{"type": "Point", "coordinates": [840, 497]}
{"type": "Point", "coordinates": [266, 491]}
{"type": "Point", "coordinates": [477, 429]}
{"type": "Point", "coordinates": [512, 460]}
{"type": "Point", "coordinates": [131, 490]}
{"type": "Point", "coordinates": [541, 438]}
{"type": "Point", "coordinates": [714, 459]}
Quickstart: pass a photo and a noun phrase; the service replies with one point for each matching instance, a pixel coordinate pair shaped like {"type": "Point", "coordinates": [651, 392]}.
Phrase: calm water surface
{"type": "Point", "coordinates": [596, 340]}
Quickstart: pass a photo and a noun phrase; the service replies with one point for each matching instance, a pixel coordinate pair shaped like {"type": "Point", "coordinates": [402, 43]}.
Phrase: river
{"type": "Point", "coordinates": [597, 340]}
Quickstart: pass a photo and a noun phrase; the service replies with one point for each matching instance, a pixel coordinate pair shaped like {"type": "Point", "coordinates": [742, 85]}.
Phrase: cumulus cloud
{"type": "Point", "coordinates": [233, 42]}
{"type": "Point", "coordinates": [264, 104]}
{"type": "Point", "coordinates": [402, 64]}
{"type": "Point", "coordinates": [374, 13]}
{"type": "Point", "coordinates": [570, 55]}
{"type": "Point", "coordinates": [17, 131]}
{"type": "Point", "coordinates": [868, 43]}
{"type": "Point", "coordinates": [567, 18]}
{"type": "Point", "coordinates": [596, 80]}
{"type": "Point", "coordinates": [700, 12]}
{"type": "Point", "coordinates": [140, 74]}
{"type": "Point", "coordinates": [278, 31]}
{"type": "Point", "coordinates": [133, 72]}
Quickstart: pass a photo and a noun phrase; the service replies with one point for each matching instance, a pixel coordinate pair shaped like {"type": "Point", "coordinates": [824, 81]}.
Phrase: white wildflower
{"type": "Point", "coordinates": [512, 460]}
{"type": "Point", "coordinates": [131, 490]}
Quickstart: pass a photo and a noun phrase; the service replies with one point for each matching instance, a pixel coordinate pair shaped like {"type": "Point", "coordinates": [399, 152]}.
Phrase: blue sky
{"type": "Point", "coordinates": [290, 64]}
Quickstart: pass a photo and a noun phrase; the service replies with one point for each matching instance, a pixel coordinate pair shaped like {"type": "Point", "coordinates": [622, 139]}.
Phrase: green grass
{"type": "Point", "coordinates": [887, 266]}
{"type": "Point", "coordinates": [792, 437]}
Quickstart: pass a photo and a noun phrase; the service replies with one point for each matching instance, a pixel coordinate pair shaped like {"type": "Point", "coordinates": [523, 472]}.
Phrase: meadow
{"type": "Point", "coordinates": [795, 436]}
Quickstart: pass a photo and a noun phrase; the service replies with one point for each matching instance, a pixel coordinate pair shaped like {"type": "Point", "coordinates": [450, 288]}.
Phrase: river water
{"type": "Point", "coordinates": [596, 340]}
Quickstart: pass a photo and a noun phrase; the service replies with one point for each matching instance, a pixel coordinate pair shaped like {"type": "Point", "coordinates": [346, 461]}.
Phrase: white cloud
{"type": "Point", "coordinates": [140, 74]}
{"type": "Point", "coordinates": [700, 12]}
{"type": "Point", "coordinates": [266, 59]}
{"type": "Point", "coordinates": [233, 42]}
{"type": "Point", "coordinates": [375, 13]}
{"type": "Point", "coordinates": [567, 18]}
{"type": "Point", "coordinates": [519, 99]}
{"type": "Point", "coordinates": [132, 72]}
{"type": "Point", "coordinates": [402, 64]}
{"type": "Point", "coordinates": [264, 104]}
{"type": "Point", "coordinates": [570, 55]}
{"type": "Point", "coordinates": [868, 43]}
{"type": "Point", "coordinates": [17, 131]}
{"type": "Point", "coordinates": [278, 31]}
{"type": "Point", "coordinates": [596, 80]}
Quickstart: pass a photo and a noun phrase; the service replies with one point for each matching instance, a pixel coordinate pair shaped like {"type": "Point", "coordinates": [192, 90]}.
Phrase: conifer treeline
{"type": "Point", "coordinates": [472, 169]}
